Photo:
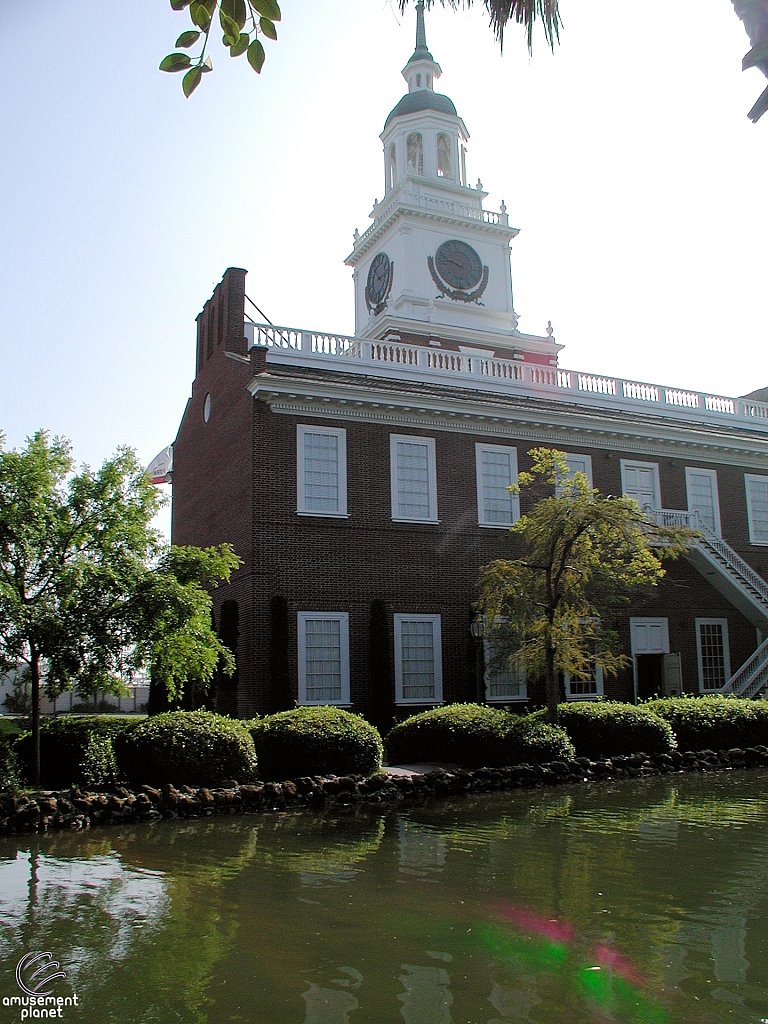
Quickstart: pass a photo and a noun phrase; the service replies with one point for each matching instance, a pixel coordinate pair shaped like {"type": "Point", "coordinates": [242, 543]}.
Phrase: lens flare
{"type": "Point", "coordinates": [610, 984]}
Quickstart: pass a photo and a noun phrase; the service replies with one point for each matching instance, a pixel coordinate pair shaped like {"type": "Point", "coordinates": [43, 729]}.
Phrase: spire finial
{"type": "Point", "coordinates": [422, 68]}
{"type": "Point", "coordinates": [421, 35]}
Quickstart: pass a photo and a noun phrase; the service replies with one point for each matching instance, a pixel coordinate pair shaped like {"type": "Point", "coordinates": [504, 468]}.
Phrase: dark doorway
{"type": "Point", "coordinates": [649, 675]}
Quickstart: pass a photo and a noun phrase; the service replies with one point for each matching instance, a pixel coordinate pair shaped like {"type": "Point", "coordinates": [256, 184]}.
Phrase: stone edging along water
{"type": "Point", "coordinates": [75, 809]}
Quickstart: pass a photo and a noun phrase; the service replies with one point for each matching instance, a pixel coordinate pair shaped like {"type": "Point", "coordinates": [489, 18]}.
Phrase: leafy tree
{"type": "Point", "coordinates": [88, 593]}
{"type": "Point", "coordinates": [244, 21]}
{"type": "Point", "coordinates": [582, 555]}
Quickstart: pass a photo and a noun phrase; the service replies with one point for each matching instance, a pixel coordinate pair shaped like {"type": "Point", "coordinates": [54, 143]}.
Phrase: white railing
{"type": "Point", "coordinates": [751, 677]}
{"type": "Point", "coordinates": [451, 208]}
{"type": "Point", "coordinates": [550, 381]}
{"type": "Point", "coordinates": [723, 553]}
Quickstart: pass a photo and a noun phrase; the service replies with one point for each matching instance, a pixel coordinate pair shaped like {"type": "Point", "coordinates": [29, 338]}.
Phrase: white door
{"type": "Point", "coordinates": [649, 636]}
{"type": "Point", "coordinates": [640, 480]}
{"type": "Point", "coordinates": [701, 485]}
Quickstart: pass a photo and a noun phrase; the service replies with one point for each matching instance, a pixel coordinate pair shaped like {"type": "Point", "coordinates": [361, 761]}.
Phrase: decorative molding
{"type": "Point", "coordinates": [458, 296]}
{"type": "Point", "coordinates": [560, 426]}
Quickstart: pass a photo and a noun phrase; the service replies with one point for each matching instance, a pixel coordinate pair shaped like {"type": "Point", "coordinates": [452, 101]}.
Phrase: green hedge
{"type": "Point", "coordinates": [194, 748]}
{"type": "Point", "coordinates": [64, 743]}
{"type": "Point", "coordinates": [315, 741]}
{"type": "Point", "coordinates": [714, 722]}
{"type": "Point", "coordinates": [609, 728]}
{"type": "Point", "coordinates": [475, 736]}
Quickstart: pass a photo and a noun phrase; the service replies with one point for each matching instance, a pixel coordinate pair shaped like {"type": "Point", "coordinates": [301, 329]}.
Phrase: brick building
{"type": "Point", "coordinates": [363, 479]}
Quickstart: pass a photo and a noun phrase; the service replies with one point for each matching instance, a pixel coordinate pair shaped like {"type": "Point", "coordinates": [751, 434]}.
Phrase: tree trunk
{"type": "Point", "coordinates": [34, 664]}
{"type": "Point", "coordinates": [553, 690]}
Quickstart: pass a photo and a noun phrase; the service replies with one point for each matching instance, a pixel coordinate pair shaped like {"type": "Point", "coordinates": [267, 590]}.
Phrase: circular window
{"type": "Point", "coordinates": [207, 408]}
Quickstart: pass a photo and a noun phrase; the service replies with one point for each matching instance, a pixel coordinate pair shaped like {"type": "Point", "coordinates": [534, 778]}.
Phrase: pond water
{"type": "Point", "coordinates": [643, 901]}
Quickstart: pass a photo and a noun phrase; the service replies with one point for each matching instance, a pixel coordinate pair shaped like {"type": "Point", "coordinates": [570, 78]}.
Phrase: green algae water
{"type": "Point", "coordinates": [643, 901]}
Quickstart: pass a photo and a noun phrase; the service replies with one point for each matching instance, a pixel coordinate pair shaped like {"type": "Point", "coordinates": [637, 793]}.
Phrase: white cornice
{"type": "Point", "coordinates": [403, 210]}
{"type": "Point", "coordinates": [530, 420]}
{"type": "Point", "coordinates": [385, 323]}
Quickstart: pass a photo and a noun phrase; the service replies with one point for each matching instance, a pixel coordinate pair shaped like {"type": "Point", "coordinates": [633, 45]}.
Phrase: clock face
{"type": "Point", "coordinates": [378, 279]}
{"type": "Point", "coordinates": [459, 265]}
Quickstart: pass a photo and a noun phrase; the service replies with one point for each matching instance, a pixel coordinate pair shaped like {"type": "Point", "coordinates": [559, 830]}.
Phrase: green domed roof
{"type": "Point", "coordinates": [422, 99]}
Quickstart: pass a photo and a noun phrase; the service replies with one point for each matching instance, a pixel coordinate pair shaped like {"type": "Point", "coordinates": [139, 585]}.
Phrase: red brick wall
{"type": "Point", "coordinates": [343, 564]}
{"type": "Point", "coordinates": [212, 461]}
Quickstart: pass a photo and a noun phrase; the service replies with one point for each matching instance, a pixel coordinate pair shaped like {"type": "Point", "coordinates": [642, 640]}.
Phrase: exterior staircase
{"type": "Point", "coordinates": [738, 582]}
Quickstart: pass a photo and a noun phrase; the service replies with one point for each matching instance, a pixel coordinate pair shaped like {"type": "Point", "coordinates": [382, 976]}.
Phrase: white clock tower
{"type": "Point", "coordinates": [433, 260]}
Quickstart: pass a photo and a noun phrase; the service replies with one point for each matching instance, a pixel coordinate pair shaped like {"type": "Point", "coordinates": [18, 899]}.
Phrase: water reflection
{"type": "Point", "coordinates": [641, 902]}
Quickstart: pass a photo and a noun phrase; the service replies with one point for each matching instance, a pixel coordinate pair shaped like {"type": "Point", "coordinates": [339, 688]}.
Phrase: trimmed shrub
{"type": "Point", "coordinates": [610, 728]}
{"type": "Point", "coordinates": [10, 777]}
{"type": "Point", "coordinates": [64, 742]}
{"type": "Point", "coordinates": [475, 736]}
{"type": "Point", "coordinates": [315, 741]}
{"type": "Point", "coordinates": [194, 748]}
{"type": "Point", "coordinates": [714, 722]}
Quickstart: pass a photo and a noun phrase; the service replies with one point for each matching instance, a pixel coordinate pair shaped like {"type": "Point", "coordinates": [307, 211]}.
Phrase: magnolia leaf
{"type": "Point", "coordinates": [187, 39]}
{"type": "Point", "coordinates": [175, 62]}
{"type": "Point", "coordinates": [179, 5]}
{"type": "Point", "coordinates": [268, 28]}
{"type": "Point", "coordinates": [256, 56]}
{"type": "Point", "coordinates": [267, 9]}
{"type": "Point", "coordinates": [191, 80]}
{"type": "Point", "coordinates": [241, 45]}
{"type": "Point", "coordinates": [200, 16]}
{"type": "Point", "coordinates": [231, 29]}
{"type": "Point", "coordinates": [207, 65]}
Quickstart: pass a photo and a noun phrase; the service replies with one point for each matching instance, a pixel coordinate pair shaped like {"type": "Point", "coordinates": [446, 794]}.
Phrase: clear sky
{"type": "Point", "coordinates": [625, 158]}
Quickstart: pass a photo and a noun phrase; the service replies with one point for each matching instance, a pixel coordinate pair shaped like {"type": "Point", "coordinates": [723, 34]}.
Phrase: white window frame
{"type": "Point", "coordinates": [726, 652]}
{"type": "Point", "coordinates": [748, 478]}
{"type": "Point", "coordinates": [522, 695]}
{"type": "Point", "coordinates": [584, 696]}
{"type": "Point", "coordinates": [587, 470]}
{"type": "Point", "coordinates": [302, 429]}
{"type": "Point", "coordinates": [514, 498]}
{"type": "Point", "coordinates": [343, 619]}
{"type": "Point", "coordinates": [437, 652]}
{"type": "Point", "coordinates": [712, 474]}
{"type": "Point", "coordinates": [429, 443]}
{"type": "Point", "coordinates": [634, 464]}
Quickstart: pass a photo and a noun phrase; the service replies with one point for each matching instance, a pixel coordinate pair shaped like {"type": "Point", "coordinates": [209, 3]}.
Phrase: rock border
{"type": "Point", "coordinates": [76, 809]}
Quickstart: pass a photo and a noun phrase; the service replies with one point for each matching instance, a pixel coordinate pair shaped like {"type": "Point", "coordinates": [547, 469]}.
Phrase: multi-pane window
{"type": "Point", "coordinates": [413, 478]}
{"type": "Point", "coordinates": [582, 689]}
{"type": "Point", "coordinates": [323, 657]}
{"type": "Point", "coordinates": [321, 479]}
{"type": "Point", "coordinates": [418, 659]}
{"type": "Point", "coordinates": [701, 485]}
{"type": "Point", "coordinates": [757, 507]}
{"type": "Point", "coordinates": [496, 468]}
{"type": "Point", "coordinates": [640, 480]}
{"type": "Point", "coordinates": [503, 681]}
{"type": "Point", "coordinates": [714, 657]}
{"type": "Point", "coordinates": [577, 464]}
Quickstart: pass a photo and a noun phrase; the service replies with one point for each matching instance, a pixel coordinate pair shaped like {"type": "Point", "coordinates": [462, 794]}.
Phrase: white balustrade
{"type": "Point", "coordinates": [499, 369]}
{"type": "Point", "coordinates": [444, 359]}
{"type": "Point", "coordinates": [687, 399]}
{"type": "Point", "coordinates": [597, 385]}
{"type": "Point", "coordinates": [448, 363]}
{"type": "Point", "coordinates": [642, 392]}
{"type": "Point", "coordinates": [714, 403]}
{"type": "Point", "coordinates": [756, 410]}
{"type": "Point", "coordinates": [544, 375]}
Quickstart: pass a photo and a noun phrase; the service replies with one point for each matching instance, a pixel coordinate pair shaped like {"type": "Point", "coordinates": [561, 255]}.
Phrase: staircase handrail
{"type": "Point", "coordinates": [709, 539]}
{"type": "Point", "coordinates": [751, 672]}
